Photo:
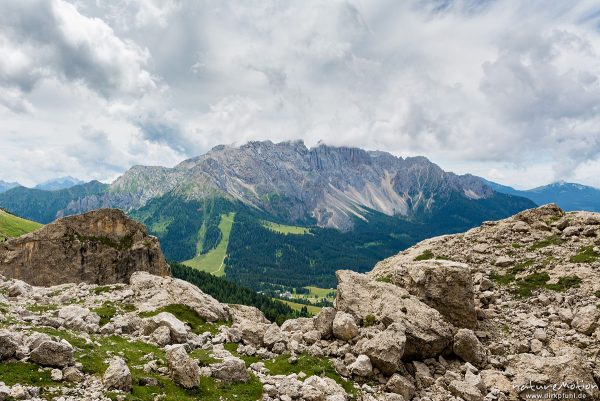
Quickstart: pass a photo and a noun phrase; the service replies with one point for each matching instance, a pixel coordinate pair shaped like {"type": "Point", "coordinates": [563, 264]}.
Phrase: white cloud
{"type": "Point", "coordinates": [42, 39]}
{"type": "Point", "coordinates": [482, 85]}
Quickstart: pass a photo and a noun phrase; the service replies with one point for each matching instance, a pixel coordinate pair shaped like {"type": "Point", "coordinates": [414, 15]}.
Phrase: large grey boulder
{"type": "Point", "coordinates": [444, 285]}
{"type": "Point", "coordinates": [385, 349]}
{"type": "Point", "coordinates": [245, 312]}
{"type": "Point", "coordinates": [468, 347]}
{"type": "Point", "coordinates": [344, 326]}
{"type": "Point", "coordinates": [586, 319]}
{"type": "Point", "coordinates": [427, 333]}
{"type": "Point", "coordinates": [35, 338]}
{"type": "Point", "coordinates": [323, 322]}
{"type": "Point", "coordinates": [152, 292]}
{"type": "Point", "coordinates": [230, 370]}
{"type": "Point", "coordinates": [161, 336]}
{"type": "Point", "coordinates": [8, 345]}
{"type": "Point", "coordinates": [53, 354]}
{"type": "Point", "coordinates": [177, 329]}
{"type": "Point", "coordinates": [401, 385]}
{"type": "Point", "coordinates": [274, 335]}
{"type": "Point", "coordinates": [302, 325]}
{"type": "Point", "coordinates": [327, 387]}
{"type": "Point", "coordinates": [361, 366]}
{"type": "Point", "coordinates": [184, 370]}
{"type": "Point", "coordinates": [117, 376]}
{"type": "Point", "coordinates": [76, 317]}
{"type": "Point", "coordinates": [465, 390]}
{"type": "Point", "coordinates": [252, 333]}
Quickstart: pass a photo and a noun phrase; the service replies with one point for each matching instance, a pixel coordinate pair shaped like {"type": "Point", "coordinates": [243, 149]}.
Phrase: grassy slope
{"type": "Point", "coordinates": [296, 306]}
{"type": "Point", "coordinates": [213, 262]}
{"type": "Point", "coordinates": [13, 226]}
{"type": "Point", "coordinates": [320, 292]}
{"type": "Point", "coordinates": [284, 229]}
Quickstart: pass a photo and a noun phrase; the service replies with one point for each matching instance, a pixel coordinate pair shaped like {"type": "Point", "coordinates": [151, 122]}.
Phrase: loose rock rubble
{"type": "Point", "coordinates": [493, 314]}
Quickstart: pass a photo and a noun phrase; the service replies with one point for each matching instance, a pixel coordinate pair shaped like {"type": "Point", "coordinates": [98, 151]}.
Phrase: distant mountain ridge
{"type": "Point", "coordinates": [46, 206]}
{"type": "Point", "coordinates": [59, 183]}
{"type": "Point", "coordinates": [568, 196]}
{"type": "Point", "coordinates": [5, 186]}
{"type": "Point", "coordinates": [325, 186]}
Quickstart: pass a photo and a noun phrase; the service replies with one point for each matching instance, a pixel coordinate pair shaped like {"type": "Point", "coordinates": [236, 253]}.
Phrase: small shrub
{"type": "Point", "coordinates": [106, 312]}
{"type": "Point", "coordinates": [369, 320]}
{"type": "Point", "coordinates": [425, 255]}
{"type": "Point", "coordinates": [597, 293]}
{"type": "Point", "coordinates": [101, 289]}
{"type": "Point", "coordinates": [384, 279]}
{"type": "Point", "coordinates": [502, 279]}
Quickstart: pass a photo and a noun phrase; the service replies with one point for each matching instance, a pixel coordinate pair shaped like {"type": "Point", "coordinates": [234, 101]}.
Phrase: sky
{"type": "Point", "coordinates": [507, 90]}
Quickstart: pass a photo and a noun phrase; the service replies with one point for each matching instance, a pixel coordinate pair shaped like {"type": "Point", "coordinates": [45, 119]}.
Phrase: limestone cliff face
{"type": "Point", "coordinates": [99, 247]}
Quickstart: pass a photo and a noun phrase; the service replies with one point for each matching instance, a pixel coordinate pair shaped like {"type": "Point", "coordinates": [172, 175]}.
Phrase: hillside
{"type": "Point", "coordinates": [298, 259]}
{"type": "Point", "coordinates": [46, 206]}
{"type": "Point", "coordinates": [568, 196]}
{"type": "Point", "coordinates": [12, 226]}
{"type": "Point", "coordinates": [501, 312]}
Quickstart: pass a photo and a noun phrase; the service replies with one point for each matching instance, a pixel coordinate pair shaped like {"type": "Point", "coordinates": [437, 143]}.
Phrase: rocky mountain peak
{"type": "Point", "coordinates": [329, 185]}
{"type": "Point", "coordinates": [101, 247]}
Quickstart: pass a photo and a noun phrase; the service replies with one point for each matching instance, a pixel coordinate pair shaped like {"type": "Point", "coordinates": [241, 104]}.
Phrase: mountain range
{"type": "Point", "coordinates": [49, 185]}
{"type": "Point", "coordinates": [569, 196]}
{"type": "Point", "coordinates": [272, 214]}
{"type": "Point", "coordinates": [5, 186]}
{"type": "Point", "coordinates": [59, 183]}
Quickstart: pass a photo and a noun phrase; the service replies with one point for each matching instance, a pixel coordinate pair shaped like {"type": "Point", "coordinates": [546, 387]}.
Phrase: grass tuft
{"type": "Point", "coordinates": [530, 283]}
{"type": "Point", "coordinates": [425, 255]}
{"type": "Point", "coordinates": [585, 255]}
{"type": "Point", "coordinates": [564, 283]}
{"type": "Point", "coordinates": [384, 279]}
{"type": "Point", "coordinates": [25, 373]}
{"type": "Point", "coordinates": [551, 240]}
{"type": "Point", "coordinates": [106, 312]}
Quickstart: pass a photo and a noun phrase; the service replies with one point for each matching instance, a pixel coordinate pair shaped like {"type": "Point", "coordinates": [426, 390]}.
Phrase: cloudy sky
{"type": "Point", "coordinates": [508, 90]}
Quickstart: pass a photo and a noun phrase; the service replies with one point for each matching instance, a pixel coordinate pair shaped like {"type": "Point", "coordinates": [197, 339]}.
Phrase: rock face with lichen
{"type": "Point", "coordinates": [100, 247]}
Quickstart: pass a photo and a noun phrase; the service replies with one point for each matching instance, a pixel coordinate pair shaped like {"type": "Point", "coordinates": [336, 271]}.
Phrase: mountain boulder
{"type": "Point", "coordinates": [99, 247]}
{"type": "Point", "coordinates": [444, 285]}
{"type": "Point", "coordinates": [427, 333]}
